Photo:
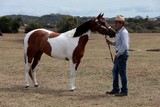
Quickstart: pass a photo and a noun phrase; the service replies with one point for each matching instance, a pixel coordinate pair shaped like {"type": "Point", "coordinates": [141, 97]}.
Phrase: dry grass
{"type": "Point", "coordinates": [93, 79]}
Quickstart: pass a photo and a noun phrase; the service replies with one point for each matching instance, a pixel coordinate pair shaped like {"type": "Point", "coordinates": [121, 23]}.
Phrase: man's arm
{"type": "Point", "coordinates": [111, 42]}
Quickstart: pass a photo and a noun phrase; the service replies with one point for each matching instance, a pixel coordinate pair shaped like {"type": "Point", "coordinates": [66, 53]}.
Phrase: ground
{"type": "Point", "coordinates": [94, 76]}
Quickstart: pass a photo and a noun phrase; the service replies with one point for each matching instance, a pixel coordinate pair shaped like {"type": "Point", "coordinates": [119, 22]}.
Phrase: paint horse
{"type": "Point", "coordinates": [69, 45]}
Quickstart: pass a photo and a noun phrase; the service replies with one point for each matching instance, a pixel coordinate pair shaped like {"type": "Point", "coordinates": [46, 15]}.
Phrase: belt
{"type": "Point", "coordinates": [124, 51]}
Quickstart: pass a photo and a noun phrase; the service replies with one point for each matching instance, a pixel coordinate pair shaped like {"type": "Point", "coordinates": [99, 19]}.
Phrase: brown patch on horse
{"type": "Point", "coordinates": [37, 58]}
{"type": "Point", "coordinates": [30, 74]}
{"type": "Point", "coordinates": [79, 50]}
{"type": "Point", "coordinates": [53, 35]}
{"type": "Point", "coordinates": [38, 42]}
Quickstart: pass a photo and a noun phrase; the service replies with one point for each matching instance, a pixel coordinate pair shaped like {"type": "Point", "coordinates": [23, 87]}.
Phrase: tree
{"type": "Point", "coordinates": [16, 24]}
{"type": "Point", "coordinates": [67, 23]}
{"type": "Point", "coordinates": [147, 18]}
{"type": "Point", "coordinates": [8, 25]}
{"type": "Point", "coordinates": [32, 26]}
{"type": "Point", "coordinates": [5, 24]}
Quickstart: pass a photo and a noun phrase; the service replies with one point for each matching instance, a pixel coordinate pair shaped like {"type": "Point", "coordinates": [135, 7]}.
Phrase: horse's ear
{"type": "Point", "coordinates": [100, 15]}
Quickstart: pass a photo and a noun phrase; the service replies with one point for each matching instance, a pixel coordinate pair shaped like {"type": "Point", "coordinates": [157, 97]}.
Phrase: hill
{"type": "Point", "coordinates": [25, 18]}
{"type": "Point", "coordinates": [136, 24]}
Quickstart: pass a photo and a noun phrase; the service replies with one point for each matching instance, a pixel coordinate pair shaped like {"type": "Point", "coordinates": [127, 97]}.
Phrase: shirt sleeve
{"type": "Point", "coordinates": [113, 43]}
{"type": "Point", "coordinates": [124, 46]}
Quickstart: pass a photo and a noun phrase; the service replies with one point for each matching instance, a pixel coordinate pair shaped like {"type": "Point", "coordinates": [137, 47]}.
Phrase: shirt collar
{"type": "Point", "coordinates": [120, 30]}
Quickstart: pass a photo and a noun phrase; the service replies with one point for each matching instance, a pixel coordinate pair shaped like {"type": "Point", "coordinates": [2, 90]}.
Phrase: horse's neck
{"type": "Point", "coordinates": [85, 27]}
{"type": "Point", "coordinates": [72, 32]}
{"type": "Point", "coordinates": [69, 33]}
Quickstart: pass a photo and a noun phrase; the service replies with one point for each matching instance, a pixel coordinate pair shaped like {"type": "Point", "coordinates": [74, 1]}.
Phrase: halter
{"type": "Point", "coordinates": [102, 25]}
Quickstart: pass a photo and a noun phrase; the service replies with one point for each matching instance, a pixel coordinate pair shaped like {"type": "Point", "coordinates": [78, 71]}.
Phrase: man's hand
{"type": "Point", "coordinates": [116, 56]}
{"type": "Point", "coordinates": [108, 41]}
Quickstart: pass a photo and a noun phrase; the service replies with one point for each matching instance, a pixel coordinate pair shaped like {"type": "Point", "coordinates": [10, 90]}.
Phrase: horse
{"type": "Point", "coordinates": [69, 45]}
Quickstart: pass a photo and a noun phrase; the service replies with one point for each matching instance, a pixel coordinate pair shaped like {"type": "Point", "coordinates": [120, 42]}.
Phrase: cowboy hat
{"type": "Point", "coordinates": [121, 18]}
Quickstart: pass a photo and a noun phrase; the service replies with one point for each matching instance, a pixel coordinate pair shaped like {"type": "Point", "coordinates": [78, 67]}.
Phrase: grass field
{"type": "Point", "coordinates": [93, 77]}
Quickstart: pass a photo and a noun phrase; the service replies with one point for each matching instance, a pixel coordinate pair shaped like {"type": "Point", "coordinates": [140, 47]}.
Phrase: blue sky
{"type": "Point", "coordinates": [110, 8]}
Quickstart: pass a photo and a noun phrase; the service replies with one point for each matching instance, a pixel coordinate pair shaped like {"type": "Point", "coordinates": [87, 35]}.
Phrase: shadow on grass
{"type": "Point", "coordinates": [153, 50]}
{"type": "Point", "coordinates": [80, 95]}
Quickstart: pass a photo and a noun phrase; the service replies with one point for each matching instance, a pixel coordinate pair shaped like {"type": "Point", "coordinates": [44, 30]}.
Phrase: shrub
{"type": "Point", "coordinates": [32, 26]}
{"type": "Point", "coordinates": [8, 25]}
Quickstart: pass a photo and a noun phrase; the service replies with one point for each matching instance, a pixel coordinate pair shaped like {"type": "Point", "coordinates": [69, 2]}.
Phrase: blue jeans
{"type": "Point", "coordinates": [120, 68]}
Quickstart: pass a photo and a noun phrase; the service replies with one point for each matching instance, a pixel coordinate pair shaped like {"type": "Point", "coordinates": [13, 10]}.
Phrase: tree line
{"type": "Point", "coordinates": [11, 25]}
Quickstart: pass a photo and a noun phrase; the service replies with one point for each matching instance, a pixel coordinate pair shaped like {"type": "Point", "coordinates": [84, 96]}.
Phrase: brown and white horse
{"type": "Point", "coordinates": [69, 45]}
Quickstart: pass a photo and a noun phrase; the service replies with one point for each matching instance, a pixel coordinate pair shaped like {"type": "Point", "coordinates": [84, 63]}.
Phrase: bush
{"type": "Point", "coordinates": [67, 23]}
{"type": "Point", "coordinates": [8, 25]}
{"type": "Point", "coordinates": [32, 26]}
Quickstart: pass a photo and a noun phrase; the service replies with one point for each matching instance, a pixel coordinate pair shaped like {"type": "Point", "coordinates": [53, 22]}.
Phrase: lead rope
{"type": "Point", "coordinates": [109, 49]}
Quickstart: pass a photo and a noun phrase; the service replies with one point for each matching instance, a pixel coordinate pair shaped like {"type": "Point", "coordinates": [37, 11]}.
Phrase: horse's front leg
{"type": "Point", "coordinates": [72, 75]}
{"type": "Point", "coordinates": [28, 67]}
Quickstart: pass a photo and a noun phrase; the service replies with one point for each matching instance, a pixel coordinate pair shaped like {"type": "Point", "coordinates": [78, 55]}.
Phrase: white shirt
{"type": "Point", "coordinates": [122, 41]}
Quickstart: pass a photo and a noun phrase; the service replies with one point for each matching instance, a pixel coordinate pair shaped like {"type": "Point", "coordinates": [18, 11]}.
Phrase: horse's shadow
{"type": "Point", "coordinates": [55, 92]}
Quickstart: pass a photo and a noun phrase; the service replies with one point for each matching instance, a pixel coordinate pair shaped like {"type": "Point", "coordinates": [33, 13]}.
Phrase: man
{"type": "Point", "coordinates": [121, 57]}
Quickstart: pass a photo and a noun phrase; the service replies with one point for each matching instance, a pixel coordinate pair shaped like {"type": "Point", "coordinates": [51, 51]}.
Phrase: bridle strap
{"type": "Point", "coordinates": [109, 47]}
{"type": "Point", "coordinates": [104, 27]}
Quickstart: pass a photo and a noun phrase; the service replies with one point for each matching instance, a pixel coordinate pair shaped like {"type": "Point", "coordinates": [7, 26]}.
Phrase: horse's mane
{"type": "Point", "coordinates": [82, 28]}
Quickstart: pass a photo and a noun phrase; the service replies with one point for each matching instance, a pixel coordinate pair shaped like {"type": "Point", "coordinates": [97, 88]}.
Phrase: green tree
{"type": "Point", "coordinates": [8, 25]}
{"type": "Point", "coordinates": [5, 24]}
{"type": "Point", "coordinates": [32, 26]}
{"type": "Point", "coordinates": [67, 23]}
{"type": "Point", "coordinates": [16, 24]}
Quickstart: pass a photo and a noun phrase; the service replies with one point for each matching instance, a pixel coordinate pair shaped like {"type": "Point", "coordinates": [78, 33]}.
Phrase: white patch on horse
{"type": "Point", "coordinates": [87, 33]}
{"type": "Point", "coordinates": [63, 45]}
{"type": "Point", "coordinates": [70, 33]}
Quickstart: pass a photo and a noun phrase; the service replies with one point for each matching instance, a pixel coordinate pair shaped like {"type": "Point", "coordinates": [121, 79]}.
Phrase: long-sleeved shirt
{"type": "Point", "coordinates": [122, 41]}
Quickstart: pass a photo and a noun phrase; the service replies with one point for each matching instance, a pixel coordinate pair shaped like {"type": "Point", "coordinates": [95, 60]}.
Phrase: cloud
{"type": "Point", "coordinates": [81, 7]}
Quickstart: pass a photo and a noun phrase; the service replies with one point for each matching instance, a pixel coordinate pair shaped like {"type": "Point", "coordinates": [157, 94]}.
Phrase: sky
{"type": "Point", "coordinates": [110, 8]}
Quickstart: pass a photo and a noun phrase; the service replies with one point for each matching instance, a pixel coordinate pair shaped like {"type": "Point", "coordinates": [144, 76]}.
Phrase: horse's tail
{"type": "Point", "coordinates": [25, 47]}
{"type": "Point", "coordinates": [24, 52]}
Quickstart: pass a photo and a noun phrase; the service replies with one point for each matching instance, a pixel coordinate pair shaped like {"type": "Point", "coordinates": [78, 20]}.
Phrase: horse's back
{"type": "Point", "coordinates": [27, 36]}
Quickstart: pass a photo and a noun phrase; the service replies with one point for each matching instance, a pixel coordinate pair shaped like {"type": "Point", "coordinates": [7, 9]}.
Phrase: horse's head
{"type": "Point", "coordinates": [100, 25]}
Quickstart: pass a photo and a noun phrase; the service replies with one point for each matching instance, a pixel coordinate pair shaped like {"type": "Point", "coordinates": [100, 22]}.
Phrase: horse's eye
{"type": "Point", "coordinates": [102, 23]}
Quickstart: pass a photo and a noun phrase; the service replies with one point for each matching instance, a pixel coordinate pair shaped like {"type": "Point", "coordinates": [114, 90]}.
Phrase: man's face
{"type": "Point", "coordinates": [118, 25]}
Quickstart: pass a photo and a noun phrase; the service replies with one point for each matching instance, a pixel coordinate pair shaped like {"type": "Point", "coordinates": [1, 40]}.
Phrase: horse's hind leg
{"type": "Point", "coordinates": [37, 57]}
{"type": "Point", "coordinates": [28, 68]}
{"type": "Point", "coordinates": [29, 54]}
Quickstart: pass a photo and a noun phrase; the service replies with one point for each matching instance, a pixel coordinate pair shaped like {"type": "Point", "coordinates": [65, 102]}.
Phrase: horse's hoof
{"type": "Point", "coordinates": [72, 89]}
{"type": "Point", "coordinates": [35, 85]}
{"type": "Point", "coordinates": [26, 87]}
